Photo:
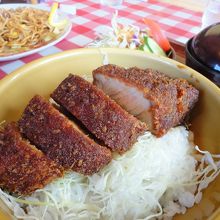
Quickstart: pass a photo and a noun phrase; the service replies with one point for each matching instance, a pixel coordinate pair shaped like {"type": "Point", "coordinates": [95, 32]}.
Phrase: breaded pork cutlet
{"type": "Point", "coordinates": [154, 98]}
{"type": "Point", "coordinates": [60, 139]}
{"type": "Point", "coordinates": [23, 168]}
{"type": "Point", "coordinates": [187, 95]}
{"type": "Point", "coordinates": [100, 114]}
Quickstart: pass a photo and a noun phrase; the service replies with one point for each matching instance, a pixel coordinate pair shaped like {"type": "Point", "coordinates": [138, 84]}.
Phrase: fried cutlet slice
{"type": "Point", "coordinates": [23, 168]}
{"type": "Point", "coordinates": [60, 139]}
{"type": "Point", "coordinates": [101, 115]}
{"type": "Point", "coordinates": [154, 98]}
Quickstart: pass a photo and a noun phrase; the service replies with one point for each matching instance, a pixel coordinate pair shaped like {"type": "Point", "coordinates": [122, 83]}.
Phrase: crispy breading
{"type": "Point", "coordinates": [100, 114]}
{"type": "Point", "coordinates": [187, 95]}
{"type": "Point", "coordinates": [171, 99]}
{"type": "Point", "coordinates": [23, 168]}
{"type": "Point", "coordinates": [60, 140]}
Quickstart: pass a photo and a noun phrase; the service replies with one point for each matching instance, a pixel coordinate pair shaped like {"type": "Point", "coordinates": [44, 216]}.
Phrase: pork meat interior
{"type": "Point", "coordinates": [154, 98]}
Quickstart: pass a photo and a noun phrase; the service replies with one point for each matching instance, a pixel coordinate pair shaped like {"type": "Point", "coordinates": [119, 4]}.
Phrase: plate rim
{"type": "Point", "coordinates": [44, 7]}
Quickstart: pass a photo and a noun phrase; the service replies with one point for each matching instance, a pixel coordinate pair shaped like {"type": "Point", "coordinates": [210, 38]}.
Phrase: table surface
{"type": "Point", "coordinates": [179, 24]}
{"type": "Point", "coordinates": [198, 5]}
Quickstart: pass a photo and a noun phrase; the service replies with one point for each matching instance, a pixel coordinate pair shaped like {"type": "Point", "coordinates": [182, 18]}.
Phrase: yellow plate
{"type": "Point", "coordinates": [43, 75]}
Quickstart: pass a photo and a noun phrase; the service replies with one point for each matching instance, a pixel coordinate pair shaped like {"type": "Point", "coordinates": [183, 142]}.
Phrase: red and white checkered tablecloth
{"type": "Point", "coordinates": [180, 24]}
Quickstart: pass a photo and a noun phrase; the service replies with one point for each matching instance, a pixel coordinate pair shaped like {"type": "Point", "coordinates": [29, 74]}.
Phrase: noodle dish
{"type": "Point", "coordinates": [24, 29]}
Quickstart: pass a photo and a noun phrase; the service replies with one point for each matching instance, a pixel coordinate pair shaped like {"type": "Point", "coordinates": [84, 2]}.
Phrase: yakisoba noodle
{"type": "Point", "coordinates": [24, 29]}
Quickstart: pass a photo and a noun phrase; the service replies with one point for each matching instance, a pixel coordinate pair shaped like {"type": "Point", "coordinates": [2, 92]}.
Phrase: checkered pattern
{"type": "Point", "coordinates": [179, 24]}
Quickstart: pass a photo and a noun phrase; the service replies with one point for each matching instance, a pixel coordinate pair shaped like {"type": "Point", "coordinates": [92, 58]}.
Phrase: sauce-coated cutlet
{"type": "Point", "coordinates": [102, 116]}
{"type": "Point", "coordinates": [23, 168]}
{"type": "Point", "coordinates": [166, 101]}
{"type": "Point", "coordinates": [60, 140]}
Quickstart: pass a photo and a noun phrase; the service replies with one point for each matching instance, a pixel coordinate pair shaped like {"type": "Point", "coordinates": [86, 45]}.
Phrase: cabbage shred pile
{"type": "Point", "coordinates": [158, 177]}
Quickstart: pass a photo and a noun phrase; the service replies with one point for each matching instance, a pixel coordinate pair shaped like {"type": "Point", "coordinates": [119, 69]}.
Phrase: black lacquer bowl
{"type": "Point", "coordinates": [203, 53]}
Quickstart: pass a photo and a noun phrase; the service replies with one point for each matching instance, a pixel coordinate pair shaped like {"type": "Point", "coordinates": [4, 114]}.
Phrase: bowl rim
{"type": "Point", "coordinates": [23, 70]}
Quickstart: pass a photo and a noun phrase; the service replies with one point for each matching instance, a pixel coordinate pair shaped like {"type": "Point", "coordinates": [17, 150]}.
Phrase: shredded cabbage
{"type": "Point", "coordinates": [158, 177]}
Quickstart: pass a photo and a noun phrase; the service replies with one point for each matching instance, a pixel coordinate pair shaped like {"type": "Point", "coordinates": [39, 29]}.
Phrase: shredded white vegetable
{"type": "Point", "coordinates": [158, 177]}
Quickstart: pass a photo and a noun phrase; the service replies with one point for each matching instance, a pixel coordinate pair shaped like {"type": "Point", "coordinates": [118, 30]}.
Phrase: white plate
{"type": "Point", "coordinates": [29, 52]}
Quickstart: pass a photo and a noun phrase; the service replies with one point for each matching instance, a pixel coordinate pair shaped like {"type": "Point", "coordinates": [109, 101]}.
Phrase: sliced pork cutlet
{"type": "Point", "coordinates": [23, 168]}
{"type": "Point", "coordinates": [100, 114]}
{"type": "Point", "coordinates": [60, 139]}
{"type": "Point", "coordinates": [151, 96]}
{"type": "Point", "coordinates": [187, 95]}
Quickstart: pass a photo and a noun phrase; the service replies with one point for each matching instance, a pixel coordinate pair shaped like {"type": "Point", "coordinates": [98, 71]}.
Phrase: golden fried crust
{"type": "Point", "coordinates": [178, 94]}
{"type": "Point", "coordinates": [163, 96]}
{"type": "Point", "coordinates": [23, 168]}
{"type": "Point", "coordinates": [187, 96]}
{"type": "Point", "coordinates": [171, 98]}
{"type": "Point", "coordinates": [57, 137]}
{"type": "Point", "coordinates": [101, 115]}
